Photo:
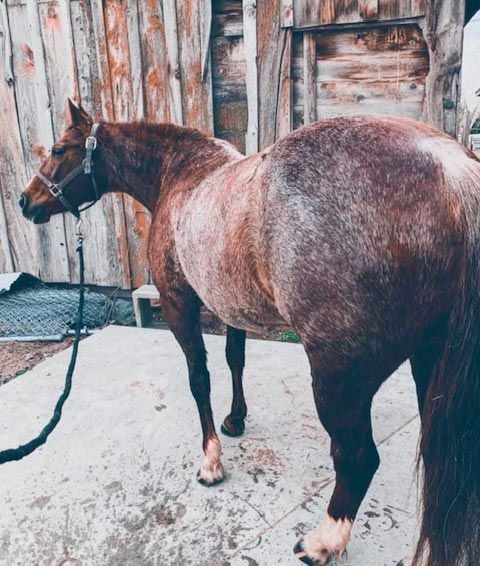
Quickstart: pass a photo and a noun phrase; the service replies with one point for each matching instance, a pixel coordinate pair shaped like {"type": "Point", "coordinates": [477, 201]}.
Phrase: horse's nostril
{"type": "Point", "coordinates": [23, 202]}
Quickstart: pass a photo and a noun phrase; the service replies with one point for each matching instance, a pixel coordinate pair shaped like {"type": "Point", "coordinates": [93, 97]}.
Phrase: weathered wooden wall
{"type": "Point", "coordinates": [248, 71]}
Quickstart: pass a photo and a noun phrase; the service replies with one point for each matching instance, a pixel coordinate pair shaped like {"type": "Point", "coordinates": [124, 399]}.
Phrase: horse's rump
{"type": "Point", "coordinates": [362, 248]}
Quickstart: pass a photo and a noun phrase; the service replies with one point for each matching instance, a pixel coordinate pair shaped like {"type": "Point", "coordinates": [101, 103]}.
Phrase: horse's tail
{"type": "Point", "coordinates": [450, 441]}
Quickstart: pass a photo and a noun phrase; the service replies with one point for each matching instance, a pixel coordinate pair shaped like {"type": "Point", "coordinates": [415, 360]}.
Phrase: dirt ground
{"type": "Point", "coordinates": [18, 357]}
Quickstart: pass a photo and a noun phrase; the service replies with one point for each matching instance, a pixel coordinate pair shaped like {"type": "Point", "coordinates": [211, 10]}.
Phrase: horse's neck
{"type": "Point", "coordinates": [145, 159]}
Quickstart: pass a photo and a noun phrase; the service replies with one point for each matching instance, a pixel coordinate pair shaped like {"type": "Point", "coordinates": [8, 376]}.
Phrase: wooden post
{"type": "Point", "coordinates": [444, 35]}
{"type": "Point", "coordinates": [250, 43]}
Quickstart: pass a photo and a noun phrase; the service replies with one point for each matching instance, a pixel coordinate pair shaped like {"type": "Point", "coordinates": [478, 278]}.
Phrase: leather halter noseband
{"type": "Point", "coordinates": [85, 168]}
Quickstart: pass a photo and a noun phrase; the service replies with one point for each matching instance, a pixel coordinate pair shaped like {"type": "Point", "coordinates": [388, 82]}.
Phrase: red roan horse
{"type": "Point", "coordinates": [363, 235]}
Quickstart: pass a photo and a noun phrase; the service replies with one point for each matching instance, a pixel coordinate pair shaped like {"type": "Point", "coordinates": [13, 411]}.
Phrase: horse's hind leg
{"type": "Point", "coordinates": [343, 404]}
{"type": "Point", "coordinates": [234, 423]}
{"type": "Point", "coordinates": [183, 317]}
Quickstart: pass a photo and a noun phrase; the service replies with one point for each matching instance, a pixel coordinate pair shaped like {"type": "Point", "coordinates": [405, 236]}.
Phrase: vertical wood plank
{"type": "Point", "coordinates": [347, 11]}
{"type": "Point", "coordinates": [197, 101]}
{"type": "Point", "coordinates": [389, 9]}
{"type": "Point", "coordinates": [116, 218]}
{"type": "Point", "coordinates": [52, 237]}
{"type": "Point", "coordinates": [270, 35]}
{"type": "Point", "coordinates": [314, 12]}
{"type": "Point", "coordinates": [229, 73]}
{"type": "Point", "coordinates": [60, 72]}
{"type": "Point", "coordinates": [159, 102]}
{"type": "Point", "coordinates": [368, 9]}
{"type": "Point", "coordinates": [250, 46]}
{"type": "Point", "coordinates": [101, 50]}
{"type": "Point", "coordinates": [18, 237]}
{"type": "Point", "coordinates": [418, 8]}
{"type": "Point", "coordinates": [6, 260]}
{"type": "Point", "coordinates": [205, 15]}
{"type": "Point", "coordinates": [106, 254]}
{"type": "Point", "coordinates": [327, 10]}
{"type": "Point", "coordinates": [205, 36]}
{"type": "Point", "coordinates": [286, 13]}
{"type": "Point", "coordinates": [9, 137]}
{"type": "Point", "coordinates": [173, 58]}
{"type": "Point", "coordinates": [309, 77]}
{"type": "Point", "coordinates": [133, 32]}
{"type": "Point", "coordinates": [33, 108]}
{"type": "Point", "coordinates": [404, 9]}
{"type": "Point", "coordinates": [444, 37]}
{"type": "Point", "coordinates": [121, 23]}
{"type": "Point", "coordinates": [138, 216]}
{"type": "Point", "coordinates": [285, 100]}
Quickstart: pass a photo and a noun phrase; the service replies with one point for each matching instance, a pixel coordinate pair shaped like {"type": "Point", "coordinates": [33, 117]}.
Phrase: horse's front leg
{"type": "Point", "coordinates": [234, 423]}
{"type": "Point", "coordinates": [183, 317]}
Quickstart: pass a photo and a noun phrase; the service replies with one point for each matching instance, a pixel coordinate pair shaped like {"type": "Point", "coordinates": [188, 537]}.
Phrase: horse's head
{"type": "Point", "coordinates": [60, 183]}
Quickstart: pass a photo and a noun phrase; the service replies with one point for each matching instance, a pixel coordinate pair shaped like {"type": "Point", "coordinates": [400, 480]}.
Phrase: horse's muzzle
{"type": "Point", "coordinates": [37, 214]}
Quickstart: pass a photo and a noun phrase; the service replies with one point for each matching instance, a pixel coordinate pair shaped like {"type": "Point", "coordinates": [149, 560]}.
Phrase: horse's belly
{"type": "Point", "coordinates": [249, 319]}
{"type": "Point", "coordinates": [249, 310]}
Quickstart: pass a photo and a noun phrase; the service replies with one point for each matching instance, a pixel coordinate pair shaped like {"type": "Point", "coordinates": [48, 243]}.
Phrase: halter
{"type": "Point", "coordinates": [85, 168]}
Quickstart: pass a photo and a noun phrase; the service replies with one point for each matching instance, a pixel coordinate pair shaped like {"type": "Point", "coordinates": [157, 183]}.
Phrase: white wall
{"type": "Point", "coordinates": [471, 67]}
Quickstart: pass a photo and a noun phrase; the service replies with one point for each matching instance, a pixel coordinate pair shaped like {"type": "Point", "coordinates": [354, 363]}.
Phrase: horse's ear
{"type": "Point", "coordinates": [77, 115]}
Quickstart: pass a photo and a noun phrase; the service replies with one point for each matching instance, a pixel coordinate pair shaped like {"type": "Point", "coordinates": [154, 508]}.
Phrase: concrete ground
{"type": "Point", "coordinates": [115, 483]}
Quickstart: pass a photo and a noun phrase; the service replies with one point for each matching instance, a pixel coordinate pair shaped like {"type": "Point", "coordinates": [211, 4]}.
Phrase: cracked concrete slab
{"type": "Point", "coordinates": [115, 483]}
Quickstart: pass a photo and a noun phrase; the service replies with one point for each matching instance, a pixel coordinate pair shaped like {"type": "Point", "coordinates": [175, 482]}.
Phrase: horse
{"type": "Point", "coordinates": [363, 235]}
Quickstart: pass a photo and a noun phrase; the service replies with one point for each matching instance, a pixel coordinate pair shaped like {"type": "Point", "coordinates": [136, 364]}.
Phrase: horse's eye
{"type": "Point", "coordinates": [57, 150]}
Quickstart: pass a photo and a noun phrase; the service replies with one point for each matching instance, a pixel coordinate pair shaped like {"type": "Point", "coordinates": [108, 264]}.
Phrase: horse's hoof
{"type": "Point", "coordinates": [208, 478]}
{"type": "Point", "coordinates": [230, 429]}
{"type": "Point", "coordinates": [326, 558]}
{"type": "Point", "coordinates": [301, 554]}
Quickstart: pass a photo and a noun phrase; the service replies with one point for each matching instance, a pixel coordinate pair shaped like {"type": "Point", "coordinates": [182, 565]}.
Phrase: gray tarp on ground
{"type": "Point", "coordinates": [29, 309]}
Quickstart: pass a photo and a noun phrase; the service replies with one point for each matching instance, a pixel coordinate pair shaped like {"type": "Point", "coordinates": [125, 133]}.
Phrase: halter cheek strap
{"type": "Point", "coordinates": [85, 168]}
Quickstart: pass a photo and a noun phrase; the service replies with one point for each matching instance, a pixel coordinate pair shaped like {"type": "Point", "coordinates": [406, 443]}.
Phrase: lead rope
{"type": "Point", "coordinates": [23, 450]}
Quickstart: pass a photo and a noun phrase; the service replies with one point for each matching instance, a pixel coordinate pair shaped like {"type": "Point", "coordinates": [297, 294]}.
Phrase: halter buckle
{"type": "Point", "coordinates": [91, 143]}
